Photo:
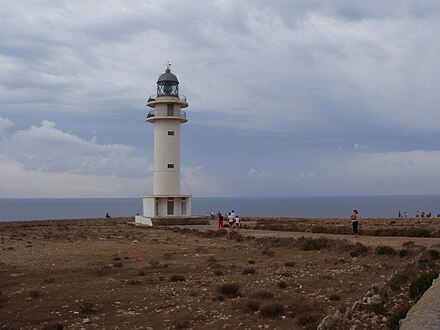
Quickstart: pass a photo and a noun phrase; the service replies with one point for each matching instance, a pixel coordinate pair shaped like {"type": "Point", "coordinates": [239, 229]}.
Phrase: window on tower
{"type": "Point", "coordinates": [170, 165]}
{"type": "Point", "coordinates": [170, 132]}
{"type": "Point", "coordinates": [170, 109]}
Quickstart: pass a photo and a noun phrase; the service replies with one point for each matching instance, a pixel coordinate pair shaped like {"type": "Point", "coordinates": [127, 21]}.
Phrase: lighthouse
{"type": "Point", "coordinates": [167, 116]}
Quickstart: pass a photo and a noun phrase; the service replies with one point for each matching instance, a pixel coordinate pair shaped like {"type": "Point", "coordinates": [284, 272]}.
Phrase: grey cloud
{"type": "Point", "coordinates": [48, 149]}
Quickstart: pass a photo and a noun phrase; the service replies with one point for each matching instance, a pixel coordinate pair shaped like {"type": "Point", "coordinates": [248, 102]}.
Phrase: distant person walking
{"type": "Point", "coordinates": [107, 215]}
{"type": "Point", "coordinates": [237, 223]}
{"type": "Point", "coordinates": [231, 220]}
{"type": "Point", "coordinates": [355, 222]}
{"type": "Point", "coordinates": [220, 220]}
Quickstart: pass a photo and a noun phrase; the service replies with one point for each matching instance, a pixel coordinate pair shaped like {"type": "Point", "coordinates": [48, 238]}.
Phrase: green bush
{"type": "Point", "coordinates": [403, 253]}
{"type": "Point", "coordinates": [309, 318]}
{"type": "Point", "coordinates": [229, 289]}
{"type": "Point", "coordinates": [271, 310]}
{"type": "Point", "coordinates": [421, 284]}
{"type": "Point", "coordinates": [434, 254]}
{"type": "Point", "coordinates": [393, 319]}
{"type": "Point", "coordinates": [359, 249]}
{"type": "Point", "coordinates": [251, 306]}
{"type": "Point", "coordinates": [385, 250]}
{"type": "Point", "coordinates": [262, 295]}
{"type": "Point", "coordinates": [398, 280]}
{"type": "Point", "coordinates": [315, 244]}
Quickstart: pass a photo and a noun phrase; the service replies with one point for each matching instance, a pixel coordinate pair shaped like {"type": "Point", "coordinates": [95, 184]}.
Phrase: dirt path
{"type": "Point", "coordinates": [373, 241]}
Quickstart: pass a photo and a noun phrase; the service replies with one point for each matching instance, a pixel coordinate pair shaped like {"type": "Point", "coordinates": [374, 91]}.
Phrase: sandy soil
{"type": "Point", "coordinates": [107, 274]}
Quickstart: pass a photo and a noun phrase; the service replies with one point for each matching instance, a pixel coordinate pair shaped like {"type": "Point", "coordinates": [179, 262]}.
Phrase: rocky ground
{"type": "Point", "coordinates": [107, 274]}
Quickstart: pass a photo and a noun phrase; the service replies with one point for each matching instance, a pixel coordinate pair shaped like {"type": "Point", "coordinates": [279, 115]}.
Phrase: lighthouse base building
{"type": "Point", "coordinates": [163, 210]}
{"type": "Point", "coordinates": [167, 205]}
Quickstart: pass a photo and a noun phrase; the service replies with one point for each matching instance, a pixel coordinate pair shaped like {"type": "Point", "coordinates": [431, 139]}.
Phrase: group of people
{"type": "Point", "coordinates": [233, 220]}
{"type": "Point", "coordinates": [418, 215]}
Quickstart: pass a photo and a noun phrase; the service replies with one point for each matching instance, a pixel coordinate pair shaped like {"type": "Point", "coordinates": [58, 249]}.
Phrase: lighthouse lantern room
{"type": "Point", "coordinates": [167, 116]}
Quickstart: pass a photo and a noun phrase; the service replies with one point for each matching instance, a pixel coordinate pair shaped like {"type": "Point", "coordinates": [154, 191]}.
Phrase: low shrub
{"type": "Point", "coordinates": [118, 264]}
{"type": "Point", "coordinates": [403, 253]}
{"type": "Point", "coordinates": [418, 287]}
{"type": "Point", "coordinates": [393, 319]}
{"type": "Point", "coordinates": [262, 295]}
{"type": "Point", "coordinates": [398, 280]}
{"type": "Point", "coordinates": [267, 252]}
{"type": "Point", "coordinates": [385, 250]}
{"type": "Point", "coordinates": [88, 308]}
{"type": "Point", "coordinates": [309, 319]}
{"type": "Point", "coordinates": [290, 264]}
{"type": "Point", "coordinates": [35, 294]}
{"type": "Point", "coordinates": [376, 308]}
{"type": "Point", "coordinates": [177, 278]}
{"type": "Point", "coordinates": [249, 271]}
{"type": "Point", "coordinates": [359, 249]}
{"type": "Point", "coordinates": [315, 244]}
{"type": "Point", "coordinates": [282, 284]}
{"type": "Point", "coordinates": [271, 310]}
{"type": "Point", "coordinates": [229, 289]}
{"type": "Point", "coordinates": [251, 306]}
{"type": "Point", "coordinates": [235, 236]}
{"type": "Point", "coordinates": [434, 254]}
{"type": "Point", "coordinates": [133, 282]}
{"type": "Point", "coordinates": [334, 297]}
{"type": "Point", "coordinates": [56, 326]}
{"type": "Point", "coordinates": [218, 272]}
{"type": "Point", "coordinates": [422, 233]}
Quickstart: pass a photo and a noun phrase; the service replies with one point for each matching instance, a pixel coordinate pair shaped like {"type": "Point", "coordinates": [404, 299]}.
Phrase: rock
{"type": "Point", "coordinates": [356, 306]}
{"type": "Point", "coordinates": [331, 321]}
{"type": "Point", "coordinates": [376, 299]}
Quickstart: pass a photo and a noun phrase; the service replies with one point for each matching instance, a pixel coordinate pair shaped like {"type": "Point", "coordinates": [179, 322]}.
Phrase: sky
{"type": "Point", "coordinates": [286, 98]}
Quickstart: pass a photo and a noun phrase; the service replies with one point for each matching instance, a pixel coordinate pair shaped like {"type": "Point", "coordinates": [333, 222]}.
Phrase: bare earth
{"type": "Point", "coordinates": [107, 274]}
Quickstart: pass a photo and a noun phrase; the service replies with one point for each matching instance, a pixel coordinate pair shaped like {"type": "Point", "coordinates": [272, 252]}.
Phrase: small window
{"type": "Point", "coordinates": [170, 132]}
{"type": "Point", "coordinates": [170, 109]}
{"type": "Point", "coordinates": [170, 165]}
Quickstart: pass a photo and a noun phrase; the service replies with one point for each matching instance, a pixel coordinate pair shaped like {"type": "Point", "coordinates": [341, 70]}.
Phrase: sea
{"type": "Point", "coordinates": [21, 209]}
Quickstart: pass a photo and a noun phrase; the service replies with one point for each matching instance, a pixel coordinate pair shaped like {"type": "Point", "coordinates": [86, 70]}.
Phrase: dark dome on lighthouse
{"type": "Point", "coordinates": [167, 84]}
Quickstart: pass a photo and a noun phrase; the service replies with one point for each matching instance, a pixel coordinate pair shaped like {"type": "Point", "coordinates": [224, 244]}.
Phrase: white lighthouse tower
{"type": "Point", "coordinates": [167, 115]}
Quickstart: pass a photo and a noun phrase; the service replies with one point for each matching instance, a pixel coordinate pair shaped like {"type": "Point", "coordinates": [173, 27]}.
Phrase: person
{"type": "Point", "coordinates": [231, 221]}
{"type": "Point", "coordinates": [237, 223]}
{"type": "Point", "coordinates": [355, 223]}
{"type": "Point", "coordinates": [233, 214]}
{"type": "Point", "coordinates": [405, 214]}
{"type": "Point", "coordinates": [212, 215]}
{"type": "Point", "coordinates": [220, 220]}
{"type": "Point", "coordinates": [107, 215]}
{"type": "Point", "coordinates": [399, 215]}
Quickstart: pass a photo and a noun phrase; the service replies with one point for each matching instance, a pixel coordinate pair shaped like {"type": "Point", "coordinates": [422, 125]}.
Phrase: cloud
{"type": "Point", "coordinates": [46, 148]}
{"type": "Point", "coordinates": [358, 146]}
{"type": "Point", "coordinates": [257, 172]}
{"type": "Point", "coordinates": [4, 125]}
{"type": "Point", "coordinates": [16, 181]}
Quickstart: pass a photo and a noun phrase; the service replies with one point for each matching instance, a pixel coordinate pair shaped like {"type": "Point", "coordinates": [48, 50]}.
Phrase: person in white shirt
{"type": "Point", "coordinates": [237, 222]}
